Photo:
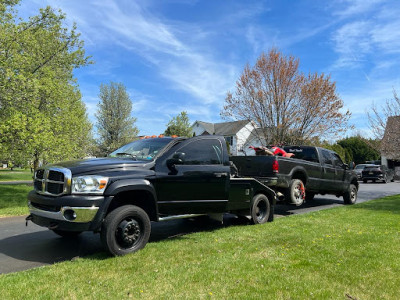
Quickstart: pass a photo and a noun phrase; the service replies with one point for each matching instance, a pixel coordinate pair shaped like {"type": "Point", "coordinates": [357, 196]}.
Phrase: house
{"type": "Point", "coordinates": [390, 154]}
{"type": "Point", "coordinates": [238, 134]}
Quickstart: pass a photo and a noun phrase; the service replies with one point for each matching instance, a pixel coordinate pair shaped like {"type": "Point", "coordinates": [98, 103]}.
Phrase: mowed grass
{"type": "Point", "coordinates": [13, 201]}
{"type": "Point", "coordinates": [18, 174]}
{"type": "Point", "coordinates": [349, 252]}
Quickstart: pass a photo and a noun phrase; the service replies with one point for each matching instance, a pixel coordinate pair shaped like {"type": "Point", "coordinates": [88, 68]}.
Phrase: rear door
{"type": "Point", "coordinates": [199, 184]}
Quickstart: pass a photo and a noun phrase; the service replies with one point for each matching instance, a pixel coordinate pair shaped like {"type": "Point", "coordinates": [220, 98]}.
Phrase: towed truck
{"type": "Point", "coordinates": [148, 180]}
{"type": "Point", "coordinates": [307, 172]}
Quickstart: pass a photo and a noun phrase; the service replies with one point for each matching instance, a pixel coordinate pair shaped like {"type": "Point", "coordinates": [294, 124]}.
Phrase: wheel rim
{"type": "Point", "coordinates": [128, 233]}
{"type": "Point", "coordinates": [261, 210]}
{"type": "Point", "coordinates": [299, 193]}
{"type": "Point", "coordinates": [353, 195]}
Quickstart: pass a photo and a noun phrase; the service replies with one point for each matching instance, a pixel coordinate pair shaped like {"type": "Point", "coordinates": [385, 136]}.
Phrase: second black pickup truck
{"type": "Point", "coordinates": [311, 171]}
{"type": "Point", "coordinates": [147, 180]}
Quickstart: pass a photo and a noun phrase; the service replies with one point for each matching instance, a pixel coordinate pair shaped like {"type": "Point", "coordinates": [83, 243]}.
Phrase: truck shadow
{"type": "Point", "coordinates": [282, 209]}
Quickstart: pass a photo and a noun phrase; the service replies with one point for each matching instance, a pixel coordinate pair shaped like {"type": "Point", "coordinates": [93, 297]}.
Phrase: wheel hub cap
{"type": "Point", "coordinates": [128, 231]}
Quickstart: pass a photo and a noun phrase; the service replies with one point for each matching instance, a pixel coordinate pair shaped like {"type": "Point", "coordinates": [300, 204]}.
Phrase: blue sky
{"type": "Point", "coordinates": [175, 55]}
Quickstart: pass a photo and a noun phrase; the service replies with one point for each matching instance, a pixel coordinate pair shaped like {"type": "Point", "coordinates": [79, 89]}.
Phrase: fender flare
{"type": "Point", "coordinates": [127, 185]}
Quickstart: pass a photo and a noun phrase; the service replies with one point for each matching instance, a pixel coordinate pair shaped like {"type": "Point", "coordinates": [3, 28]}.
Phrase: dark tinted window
{"type": "Point", "coordinates": [202, 152]}
{"type": "Point", "coordinates": [326, 155]}
{"type": "Point", "coordinates": [337, 160]}
{"type": "Point", "coordinates": [309, 154]}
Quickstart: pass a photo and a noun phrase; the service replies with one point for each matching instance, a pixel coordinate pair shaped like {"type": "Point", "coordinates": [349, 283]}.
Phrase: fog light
{"type": "Point", "coordinates": [69, 215]}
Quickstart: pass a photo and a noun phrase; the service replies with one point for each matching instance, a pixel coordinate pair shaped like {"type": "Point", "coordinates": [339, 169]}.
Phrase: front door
{"type": "Point", "coordinates": [199, 183]}
{"type": "Point", "coordinates": [328, 171]}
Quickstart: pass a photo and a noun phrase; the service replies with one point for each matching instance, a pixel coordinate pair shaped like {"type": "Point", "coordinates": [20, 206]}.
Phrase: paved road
{"type": "Point", "coordinates": [24, 247]}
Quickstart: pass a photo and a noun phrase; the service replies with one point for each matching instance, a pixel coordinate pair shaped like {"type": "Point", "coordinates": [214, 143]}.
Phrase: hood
{"type": "Point", "coordinates": [100, 165]}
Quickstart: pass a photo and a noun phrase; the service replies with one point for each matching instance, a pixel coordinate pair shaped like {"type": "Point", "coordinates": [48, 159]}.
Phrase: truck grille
{"type": "Point", "coordinates": [52, 181]}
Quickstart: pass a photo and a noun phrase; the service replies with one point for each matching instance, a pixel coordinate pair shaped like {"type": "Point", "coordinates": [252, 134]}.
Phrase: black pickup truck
{"type": "Point", "coordinates": [146, 180]}
{"type": "Point", "coordinates": [311, 171]}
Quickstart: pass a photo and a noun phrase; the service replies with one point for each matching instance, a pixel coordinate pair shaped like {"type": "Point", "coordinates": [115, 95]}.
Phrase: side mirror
{"type": "Point", "coordinates": [345, 166]}
{"type": "Point", "coordinates": [177, 159]}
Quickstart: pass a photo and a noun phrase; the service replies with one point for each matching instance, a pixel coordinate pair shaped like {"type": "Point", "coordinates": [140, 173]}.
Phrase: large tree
{"type": "Point", "coordinates": [287, 106]}
{"type": "Point", "coordinates": [378, 115]}
{"type": "Point", "coordinates": [115, 125]}
{"type": "Point", "coordinates": [42, 115]}
{"type": "Point", "coordinates": [179, 125]}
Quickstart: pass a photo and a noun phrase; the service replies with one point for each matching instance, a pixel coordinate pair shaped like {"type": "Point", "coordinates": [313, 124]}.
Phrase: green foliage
{"type": "Point", "coordinates": [115, 125]}
{"type": "Point", "coordinates": [43, 117]}
{"type": "Point", "coordinates": [361, 149]}
{"type": "Point", "coordinates": [179, 125]}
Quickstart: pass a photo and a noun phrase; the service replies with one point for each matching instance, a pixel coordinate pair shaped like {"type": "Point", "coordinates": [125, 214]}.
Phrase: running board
{"type": "Point", "coordinates": [180, 217]}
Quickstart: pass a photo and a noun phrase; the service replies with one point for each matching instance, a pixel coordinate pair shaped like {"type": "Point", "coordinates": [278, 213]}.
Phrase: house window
{"type": "Point", "coordinates": [229, 140]}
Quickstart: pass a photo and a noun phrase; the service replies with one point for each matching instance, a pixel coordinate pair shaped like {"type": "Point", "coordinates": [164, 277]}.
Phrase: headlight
{"type": "Point", "coordinates": [90, 184]}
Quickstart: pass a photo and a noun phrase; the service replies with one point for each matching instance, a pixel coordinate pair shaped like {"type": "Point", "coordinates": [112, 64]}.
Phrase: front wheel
{"type": "Point", "coordinates": [260, 209]}
{"type": "Point", "coordinates": [125, 230]}
{"type": "Point", "coordinates": [350, 196]}
{"type": "Point", "coordinates": [296, 193]}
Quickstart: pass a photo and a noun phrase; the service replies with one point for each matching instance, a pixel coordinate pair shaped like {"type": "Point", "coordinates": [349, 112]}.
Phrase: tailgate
{"type": "Point", "coordinates": [254, 166]}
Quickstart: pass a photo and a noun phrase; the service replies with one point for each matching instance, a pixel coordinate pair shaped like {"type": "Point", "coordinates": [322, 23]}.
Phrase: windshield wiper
{"type": "Point", "coordinates": [126, 154]}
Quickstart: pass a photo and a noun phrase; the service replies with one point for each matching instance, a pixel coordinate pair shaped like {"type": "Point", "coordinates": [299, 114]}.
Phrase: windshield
{"type": "Point", "coordinates": [145, 149]}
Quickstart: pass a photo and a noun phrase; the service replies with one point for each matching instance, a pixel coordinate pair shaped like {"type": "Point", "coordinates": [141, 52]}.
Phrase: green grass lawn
{"type": "Point", "coordinates": [13, 200]}
{"type": "Point", "coordinates": [18, 174]}
{"type": "Point", "coordinates": [349, 252]}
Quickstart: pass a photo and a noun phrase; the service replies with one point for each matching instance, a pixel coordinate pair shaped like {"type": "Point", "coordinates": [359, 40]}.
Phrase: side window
{"type": "Point", "coordinates": [202, 152]}
{"type": "Point", "coordinates": [338, 161]}
{"type": "Point", "coordinates": [326, 155]}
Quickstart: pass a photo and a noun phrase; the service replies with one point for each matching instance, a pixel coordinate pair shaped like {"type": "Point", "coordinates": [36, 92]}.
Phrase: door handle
{"type": "Point", "coordinates": [220, 175]}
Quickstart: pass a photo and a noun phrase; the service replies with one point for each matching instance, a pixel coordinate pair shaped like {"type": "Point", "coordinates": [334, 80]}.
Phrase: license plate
{"type": "Point", "coordinates": [370, 173]}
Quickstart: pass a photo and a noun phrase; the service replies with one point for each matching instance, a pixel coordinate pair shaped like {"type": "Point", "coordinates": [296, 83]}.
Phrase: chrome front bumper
{"type": "Point", "coordinates": [66, 213]}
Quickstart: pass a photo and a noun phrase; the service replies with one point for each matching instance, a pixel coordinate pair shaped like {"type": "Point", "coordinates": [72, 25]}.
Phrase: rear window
{"type": "Point", "coordinates": [309, 154]}
{"type": "Point", "coordinates": [371, 167]}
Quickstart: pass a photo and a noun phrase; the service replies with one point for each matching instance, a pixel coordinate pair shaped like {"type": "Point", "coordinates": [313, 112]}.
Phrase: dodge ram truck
{"type": "Point", "coordinates": [310, 171]}
{"type": "Point", "coordinates": [151, 179]}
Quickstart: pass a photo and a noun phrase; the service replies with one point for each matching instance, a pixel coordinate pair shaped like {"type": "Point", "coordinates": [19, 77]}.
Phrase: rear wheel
{"type": "Point", "coordinates": [296, 193]}
{"type": "Point", "coordinates": [260, 209]}
{"type": "Point", "coordinates": [125, 230]}
{"type": "Point", "coordinates": [350, 196]}
{"type": "Point", "coordinates": [365, 180]}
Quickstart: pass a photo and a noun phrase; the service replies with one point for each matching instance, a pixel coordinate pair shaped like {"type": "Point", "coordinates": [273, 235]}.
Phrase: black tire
{"type": "Point", "coordinates": [260, 210]}
{"type": "Point", "coordinates": [350, 196]}
{"type": "Point", "coordinates": [310, 196]}
{"type": "Point", "coordinates": [296, 194]}
{"type": "Point", "coordinates": [125, 230]}
{"type": "Point", "coordinates": [365, 180]}
{"type": "Point", "coordinates": [66, 234]}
